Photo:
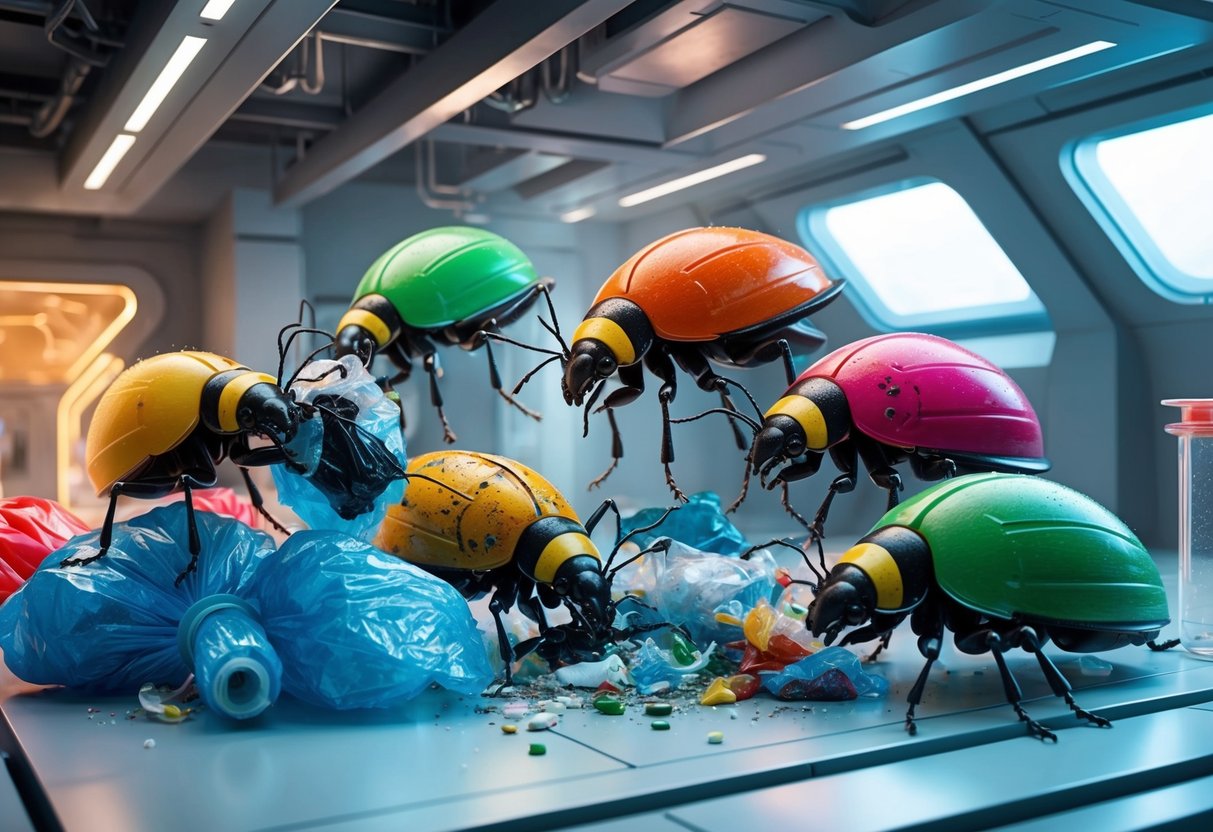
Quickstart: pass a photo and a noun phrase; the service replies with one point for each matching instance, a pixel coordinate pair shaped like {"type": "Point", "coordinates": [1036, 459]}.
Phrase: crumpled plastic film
{"type": "Point", "coordinates": [353, 627]}
{"type": "Point", "coordinates": [30, 529]}
{"type": "Point", "coordinates": [689, 587]}
{"type": "Point", "coordinates": [654, 669]}
{"type": "Point", "coordinates": [834, 674]}
{"type": "Point", "coordinates": [355, 464]}
{"type": "Point", "coordinates": [700, 523]}
{"type": "Point", "coordinates": [357, 628]}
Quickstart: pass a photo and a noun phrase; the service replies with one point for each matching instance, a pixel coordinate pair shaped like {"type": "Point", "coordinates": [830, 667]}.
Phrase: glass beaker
{"type": "Point", "coordinates": [1195, 432]}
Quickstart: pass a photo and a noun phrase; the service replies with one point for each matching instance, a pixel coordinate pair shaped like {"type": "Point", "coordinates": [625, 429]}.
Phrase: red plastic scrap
{"type": "Point", "coordinates": [30, 529]}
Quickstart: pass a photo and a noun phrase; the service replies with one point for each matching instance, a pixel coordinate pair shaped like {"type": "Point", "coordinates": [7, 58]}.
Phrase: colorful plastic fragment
{"type": "Point", "coordinates": [718, 693]}
{"type": "Point", "coordinates": [743, 685]}
{"type": "Point", "coordinates": [654, 669]}
{"type": "Point", "coordinates": [542, 722]}
{"type": "Point", "coordinates": [509, 729]}
{"type": "Point", "coordinates": [716, 737]}
{"type": "Point", "coordinates": [659, 725]}
{"type": "Point", "coordinates": [538, 749]}
{"type": "Point", "coordinates": [833, 674]}
{"type": "Point", "coordinates": [658, 708]}
{"type": "Point", "coordinates": [609, 706]}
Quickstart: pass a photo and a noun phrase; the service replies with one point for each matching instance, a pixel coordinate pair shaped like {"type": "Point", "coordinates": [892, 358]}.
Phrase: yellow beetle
{"type": "Point", "coordinates": [167, 421]}
{"type": "Point", "coordinates": [510, 532]}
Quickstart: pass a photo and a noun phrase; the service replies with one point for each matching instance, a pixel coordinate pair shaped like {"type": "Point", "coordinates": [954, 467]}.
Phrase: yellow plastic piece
{"type": "Point", "coordinates": [728, 618]}
{"type": "Point", "coordinates": [718, 693]}
{"type": "Point", "coordinates": [759, 624]}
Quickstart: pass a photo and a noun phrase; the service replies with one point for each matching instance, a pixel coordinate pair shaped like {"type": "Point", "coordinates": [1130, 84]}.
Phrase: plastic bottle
{"type": "Point", "coordinates": [1195, 432]}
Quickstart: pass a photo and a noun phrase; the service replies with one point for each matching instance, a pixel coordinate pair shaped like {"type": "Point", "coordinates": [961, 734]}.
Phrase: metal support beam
{"type": "Point", "coordinates": [505, 40]}
{"type": "Point", "coordinates": [579, 147]}
{"type": "Point", "coordinates": [798, 62]}
{"type": "Point", "coordinates": [411, 36]}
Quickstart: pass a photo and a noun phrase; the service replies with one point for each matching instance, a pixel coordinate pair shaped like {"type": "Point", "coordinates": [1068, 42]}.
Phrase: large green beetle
{"type": "Point", "coordinates": [454, 285]}
{"type": "Point", "coordinates": [1003, 561]}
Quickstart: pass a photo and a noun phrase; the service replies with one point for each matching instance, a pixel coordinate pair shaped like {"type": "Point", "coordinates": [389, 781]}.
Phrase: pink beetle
{"type": "Point", "coordinates": [901, 396]}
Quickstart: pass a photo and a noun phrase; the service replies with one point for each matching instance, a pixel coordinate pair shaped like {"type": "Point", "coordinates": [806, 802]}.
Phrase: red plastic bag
{"type": "Point", "coordinates": [30, 529]}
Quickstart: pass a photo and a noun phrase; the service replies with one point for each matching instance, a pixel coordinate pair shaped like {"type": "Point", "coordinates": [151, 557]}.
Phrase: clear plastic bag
{"type": "Point", "coordinates": [352, 451]}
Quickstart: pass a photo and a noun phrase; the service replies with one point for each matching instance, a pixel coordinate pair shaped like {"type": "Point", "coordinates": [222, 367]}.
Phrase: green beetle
{"type": "Point", "coordinates": [454, 285]}
{"type": "Point", "coordinates": [1003, 561]}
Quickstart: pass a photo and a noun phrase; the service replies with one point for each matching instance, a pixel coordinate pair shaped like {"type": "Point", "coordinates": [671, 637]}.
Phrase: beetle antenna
{"type": "Point", "coordinates": [732, 414]}
{"type": "Point", "coordinates": [518, 387]}
{"type": "Point", "coordinates": [659, 545]}
{"type": "Point", "coordinates": [555, 328]}
{"type": "Point", "coordinates": [284, 347]}
{"type": "Point", "coordinates": [304, 303]}
{"type": "Point", "coordinates": [310, 356]}
{"type": "Point", "coordinates": [742, 388]}
{"type": "Point", "coordinates": [803, 556]}
{"type": "Point", "coordinates": [497, 336]}
{"type": "Point", "coordinates": [636, 531]}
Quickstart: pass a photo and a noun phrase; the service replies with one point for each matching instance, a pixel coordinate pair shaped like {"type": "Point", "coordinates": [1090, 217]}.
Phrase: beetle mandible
{"type": "Point", "coordinates": [453, 285]}
{"type": "Point", "coordinates": [487, 523]}
{"type": "Point", "coordinates": [732, 296]}
{"type": "Point", "coordinates": [896, 397]}
{"type": "Point", "coordinates": [1003, 561]}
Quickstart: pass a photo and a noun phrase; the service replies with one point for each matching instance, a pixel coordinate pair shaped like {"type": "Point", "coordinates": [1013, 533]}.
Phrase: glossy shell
{"type": "Point", "coordinates": [1010, 544]}
{"type": "Point", "coordinates": [698, 284]}
{"type": "Point", "coordinates": [913, 390]}
{"type": "Point", "coordinates": [448, 274]}
{"type": "Point", "coordinates": [148, 410]}
{"type": "Point", "coordinates": [436, 528]}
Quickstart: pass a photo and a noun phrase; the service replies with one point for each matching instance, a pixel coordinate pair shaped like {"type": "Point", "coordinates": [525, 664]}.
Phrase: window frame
{"type": "Point", "coordinates": [1029, 315]}
{"type": "Point", "coordinates": [1082, 171]}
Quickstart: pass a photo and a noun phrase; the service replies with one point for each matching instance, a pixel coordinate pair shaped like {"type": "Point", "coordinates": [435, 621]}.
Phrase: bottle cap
{"type": "Point", "coordinates": [1196, 416]}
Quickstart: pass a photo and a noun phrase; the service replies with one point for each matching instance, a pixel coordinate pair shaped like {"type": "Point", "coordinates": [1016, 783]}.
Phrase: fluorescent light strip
{"type": "Point", "coordinates": [578, 214]}
{"type": "Point", "coordinates": [109, 160]}
{"type": "Point", "coordinates": [164, 83]}
{"type": "Point", "coordinates": [691, 180]}
{"type": "Point", "coordinates": [215, 9]}
{"type": "Point", "coordinates": [978, 85]}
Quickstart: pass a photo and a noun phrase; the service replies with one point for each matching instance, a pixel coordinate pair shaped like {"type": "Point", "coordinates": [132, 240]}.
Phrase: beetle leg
{"type": "Point", "coordinates": [931, 467]}
{"type": "Point", "coordinates": [107, 530]}
{"type": "Point", "coordinates": [195, 544]}
{"type": "Point", "coordinates": [498, 605]}
{"type": "Point", "coordinates": [434, 371]}
{"type": "Point", "coordinates": [994, 643]}
{"type": "Point", "coordinates": [1030, 641]}
{"type": "Point", "coordinates": [876, 460]}
{"type": "Point", "coordinates": [600, 512]}
{"type": "Point", "coordinates": [632, 377]}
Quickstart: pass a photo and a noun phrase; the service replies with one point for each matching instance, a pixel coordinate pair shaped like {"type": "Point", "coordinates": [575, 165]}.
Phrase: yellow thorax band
{"type": "Point", "coordinates": [808, 416]}
{"type": "Point", "coordinates": [229, 398]}
{"type": "Point", "coordinates": [882, 570]}
{"type": "Point", "coordinates": [609, 333]}
{"type": "Point", "coordinates": [559, 549]}
{"type": "Point", "coordinates": [369, 321]}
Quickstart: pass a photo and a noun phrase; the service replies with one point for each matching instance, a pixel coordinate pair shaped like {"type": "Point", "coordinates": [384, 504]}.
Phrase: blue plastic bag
{"type": "Point", "coordinates": [831, 675]}
{"type": "Point", "coordinates": [352, 451]}
{"type": "Point", "coordinates": [358, 628]}
{"type": "Point", "coordinates": [351, 627]}
{"type": "Point", "coordinates": [699, 524]}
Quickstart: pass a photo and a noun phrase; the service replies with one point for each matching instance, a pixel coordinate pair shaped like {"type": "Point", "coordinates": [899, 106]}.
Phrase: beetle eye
{"type": "Point", "coordinates": [244, 416]}
{"type": "Point", "coordinates": [606, 366]}
{"type": "Point", "coordinates": [855, 614]}
{"type": "Point", "coordinates": [794, 446]}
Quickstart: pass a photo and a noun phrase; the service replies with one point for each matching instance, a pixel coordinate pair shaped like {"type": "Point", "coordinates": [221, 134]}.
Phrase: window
{"type": "Point", "coordinates": [918, 257]}
{"type": "Point", "coordinates": [1150, 186]}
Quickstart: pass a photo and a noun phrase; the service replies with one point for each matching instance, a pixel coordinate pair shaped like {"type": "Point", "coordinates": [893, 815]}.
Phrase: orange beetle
{"type": "Point", "coordinates": [729, 295]}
